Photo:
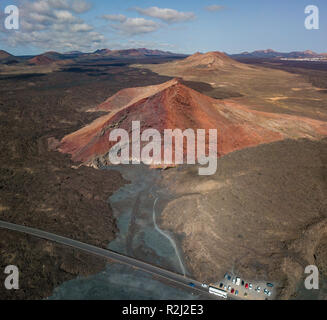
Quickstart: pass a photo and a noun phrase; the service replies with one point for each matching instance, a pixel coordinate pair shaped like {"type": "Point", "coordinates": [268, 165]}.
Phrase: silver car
{"type": "Point", "coordinates": [267, 292]}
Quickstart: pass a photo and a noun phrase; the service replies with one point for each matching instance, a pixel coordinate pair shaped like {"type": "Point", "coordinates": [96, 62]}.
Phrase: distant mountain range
{"type": "Point", "coordinates": [140, 52]}
{"type": "Point", "coordinates": [52, 56]}
{"type": "Point", "coordinates": [269, 53]}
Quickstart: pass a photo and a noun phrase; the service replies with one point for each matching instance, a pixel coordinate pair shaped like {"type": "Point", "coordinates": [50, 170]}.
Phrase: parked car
{"type": "Point", "coordinates": [232, 291]}
{"type": "Point", "coordinates": [236, 293]}
{"type": "Point", "coordinates": [229, 288]}
{"type": "Point", "coordinates": [270, 285]}
{"type": "Point", "coordinates": [250, 286]}
{"type": "Point", "coordinates": [242, 283]}
{"type": "Point", "coordinates": [225, 287]}
{"type": "Point", "coordinates": [238, 281]}
{"type": "Point", "coordinates": [221, 285]}
{"type": "Point", "coordinates": [229, 277]}
{"type": "Point", "coordinates": [204, 285]}
{"type": "Point", "coordinates": [266, 291]}
{"type": "Point", "coordinates": [191, 284]}
{"type": "Point", "coordinates": [258, 289]}
{"type": "Point", "coordinates": [246, 286]}
{"type": "Point", "coordinates": [226, 276]}
{"type": "Point", "coordinates": [234, 280]}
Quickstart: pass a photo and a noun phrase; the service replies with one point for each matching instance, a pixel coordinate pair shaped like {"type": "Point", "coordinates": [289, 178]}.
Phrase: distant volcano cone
{"type": "Point", "coordinates": [41, 60]}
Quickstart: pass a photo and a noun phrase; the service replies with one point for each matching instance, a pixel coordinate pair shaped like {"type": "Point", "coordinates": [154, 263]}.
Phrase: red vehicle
{"type": "Point", "coordinates": [246, 286]}
{"type": "Point", "coordinates": [233, 290]}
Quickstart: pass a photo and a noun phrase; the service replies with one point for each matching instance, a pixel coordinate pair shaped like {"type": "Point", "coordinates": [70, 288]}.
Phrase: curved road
{"type": "Point", "coordinates": [181, 280]}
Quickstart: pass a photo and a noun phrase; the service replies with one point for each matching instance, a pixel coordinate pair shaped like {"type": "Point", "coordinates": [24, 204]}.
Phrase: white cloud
{"type": "Point", "coordinates": [131, 26]}
{"type": "Point", "coordinates": [166, 14]}
{"type": "Point", "coordinates": [81, 27]}
{"type": "Point", "coordinates": [77, 6]}
{"type": "Point", "coordinates": [135, 26]}
{"type": "Point", "coordinates": [39, 6]}
{"type": "Point", "coordinates": [54, 25]}
{"type": "Point", "coordinates": [59, 4]}
{"type": "Point", "coordinates": [37, 18]}
{"type": "Point", "coordinates": [80, 6]}
{"type": "Point", "coordinates": [214, 8]}
{"type": "Point", "coordinates": [65, 16]}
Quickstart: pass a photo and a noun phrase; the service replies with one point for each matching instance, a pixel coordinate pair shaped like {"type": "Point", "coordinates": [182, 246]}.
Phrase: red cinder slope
{"type": "Point", "coordinates": [172, 105]}
{"type": "Point", "coordinates": [126, 97]}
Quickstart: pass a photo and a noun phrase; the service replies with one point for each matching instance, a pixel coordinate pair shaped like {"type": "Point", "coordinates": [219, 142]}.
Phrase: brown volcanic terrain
{"type": "Point", "coordinates": [42, 188]}
{"type": "Point", "coordinates": [266, 206]}
{"type": "Point", "coordinates": [172, 105]}
{"type": "Point", "coordinates": [269, 201]}
{"type": "Point", "coordinates": [258, 87]}
{"type": "Point", "coordinates": [39, 187]}
{"type": "Point", "coordinates": [262, 215]}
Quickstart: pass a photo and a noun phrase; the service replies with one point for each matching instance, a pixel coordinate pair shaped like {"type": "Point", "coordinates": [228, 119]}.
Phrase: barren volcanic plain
{"type": "Point", "coordinates": [263, 213]}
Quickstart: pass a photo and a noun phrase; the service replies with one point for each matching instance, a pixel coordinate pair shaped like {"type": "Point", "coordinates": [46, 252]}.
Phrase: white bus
{"type": "Point", "coordinates": [218, 292]}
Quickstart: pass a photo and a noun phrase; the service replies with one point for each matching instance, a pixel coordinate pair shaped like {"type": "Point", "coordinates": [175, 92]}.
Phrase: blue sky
{"type": "Point", "coordinates": [231, 25]}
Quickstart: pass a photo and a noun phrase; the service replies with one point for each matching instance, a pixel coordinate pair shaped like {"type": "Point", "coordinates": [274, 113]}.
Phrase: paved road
{"type": "Point", "coordinates": [181, 280]}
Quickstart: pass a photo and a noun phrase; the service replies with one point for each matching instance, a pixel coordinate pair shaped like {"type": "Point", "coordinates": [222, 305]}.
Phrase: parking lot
{"type": "Point", "coordinates": [238, 287]}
